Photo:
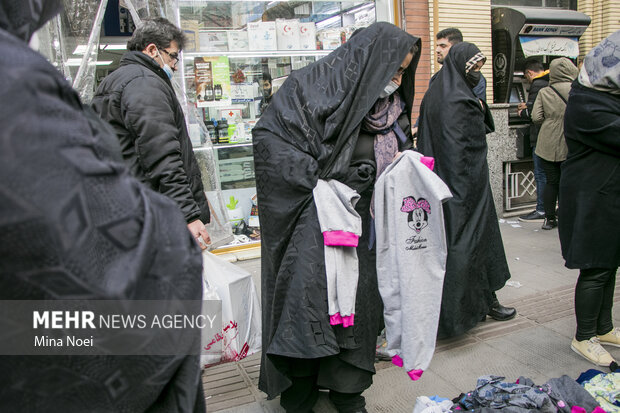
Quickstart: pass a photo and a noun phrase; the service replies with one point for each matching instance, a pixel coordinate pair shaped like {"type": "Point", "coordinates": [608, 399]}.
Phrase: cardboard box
{"type": "Point", "coordinates": [330, 38]}
{"type": "Point", "coordinates": [307, 36]}
{"type": "Point", "coordinates": [213, 41]}
{"type": "Point", "coordinates": [238, 41]}
{"type": "Point", "coordinates": [262, 36]}
{"type": "Point", "coordinates": [287, 31]}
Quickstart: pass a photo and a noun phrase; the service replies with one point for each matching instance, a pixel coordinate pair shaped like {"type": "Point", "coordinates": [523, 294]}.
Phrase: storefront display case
{"type": "Point", "coordinates": [237, 56]}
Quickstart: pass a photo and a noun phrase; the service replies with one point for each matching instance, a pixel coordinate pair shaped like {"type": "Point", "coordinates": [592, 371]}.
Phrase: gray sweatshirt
{"type": "Point", "coordinates": [411, 258]}
{"type": "Point", "coordinates": [341, 226]}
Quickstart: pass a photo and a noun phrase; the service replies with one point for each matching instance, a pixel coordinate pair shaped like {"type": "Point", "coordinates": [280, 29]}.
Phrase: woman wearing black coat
{"type": "Point", "coordinates": [344, 117]}
{"type": "Point", "coordinates": [589, 213]}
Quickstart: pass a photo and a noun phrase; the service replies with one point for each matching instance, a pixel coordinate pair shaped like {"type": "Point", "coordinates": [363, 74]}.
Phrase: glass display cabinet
{"type": "Point", "coordinates": [237, 56]}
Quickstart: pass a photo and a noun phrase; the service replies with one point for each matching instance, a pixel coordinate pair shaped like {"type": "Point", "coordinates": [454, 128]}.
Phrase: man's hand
{"type": "Point", "coordinates": [522, 106]}
{"type": "Point", "coordinates": [200, 234]}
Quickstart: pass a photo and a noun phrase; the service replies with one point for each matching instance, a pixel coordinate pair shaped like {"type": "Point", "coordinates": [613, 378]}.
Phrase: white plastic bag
{"type": "Point", "coordinates": [240, 335]}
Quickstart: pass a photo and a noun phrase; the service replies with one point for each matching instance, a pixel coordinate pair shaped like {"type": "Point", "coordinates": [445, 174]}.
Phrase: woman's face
{"type": "Point", "coordinates": [398, 77]}
{"type": "Point", "coordinates": [478, 66]}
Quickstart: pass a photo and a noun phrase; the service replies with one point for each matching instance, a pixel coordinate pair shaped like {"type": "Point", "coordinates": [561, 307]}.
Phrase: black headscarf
{"type": "Point", "coordinates": [24, 17]}
{"type": "Point", "coordinates": [310, 131]}
{"type": "Point", "coordinates": [452, 129]}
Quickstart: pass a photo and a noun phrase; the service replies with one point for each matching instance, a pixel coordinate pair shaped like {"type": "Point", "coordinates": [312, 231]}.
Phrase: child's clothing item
{"type": "Point", "coordinates": [341, 226]}
{"type": "Point", "coordinates": [411, 258]}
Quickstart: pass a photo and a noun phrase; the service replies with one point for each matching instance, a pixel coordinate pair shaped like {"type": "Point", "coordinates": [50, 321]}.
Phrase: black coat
{"type": "Point", "coordinates": [589, 213]}
{"type": "Point", "coordinates": [310, 131]}
{"type": "Point", "coordinates": [138, 100]}
{"type": "Point", "coordinates": [537, 84]}
{"type": "Point", "coordinates": [76, 225]}
{"type": "Point", "coordinates": [452, 129]}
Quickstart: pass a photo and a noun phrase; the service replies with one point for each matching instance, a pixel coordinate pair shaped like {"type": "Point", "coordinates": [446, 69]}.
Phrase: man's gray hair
{"type": "Point", "coordinates": [158, 31]}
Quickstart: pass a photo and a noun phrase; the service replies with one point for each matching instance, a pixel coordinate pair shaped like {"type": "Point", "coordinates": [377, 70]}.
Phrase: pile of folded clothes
{"type": "Point", "coordinates": [494, 394]}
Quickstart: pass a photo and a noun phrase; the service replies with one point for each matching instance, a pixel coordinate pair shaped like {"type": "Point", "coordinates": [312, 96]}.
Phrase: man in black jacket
{"type": "Point", "coordinates": [538, 78]}
{"type": "Point", "coordinates": [139, 102]}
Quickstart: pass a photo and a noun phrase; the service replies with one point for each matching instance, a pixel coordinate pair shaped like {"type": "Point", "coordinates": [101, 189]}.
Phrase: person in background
{"type": "Point", "coordinates": [538, 77]}
{"type": "Point", "coordinates": [589, 214]}
{"type": "Point", "coordinates": [267, 89]}
{"type": "Point", "coordinates": [343, 118]}
{"type": "Point", "coordinates": [138, 100]}
{"type": "Point", "coordinates": [447, 38]}
{"type": "Point", "coordinates": [548, 112]}
{"type": "Point", "coordinates": [453, 127]}
{"type": "Point", "coordinates": [76, 225]}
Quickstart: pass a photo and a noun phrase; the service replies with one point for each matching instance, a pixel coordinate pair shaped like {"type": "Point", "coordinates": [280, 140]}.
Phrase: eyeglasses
{"type": "Point", "coordinates": [400, 71]}
{"type": "Point", "coordinates": [173, 56]}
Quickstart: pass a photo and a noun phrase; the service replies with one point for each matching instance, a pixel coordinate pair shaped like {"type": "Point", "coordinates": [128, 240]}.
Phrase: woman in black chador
{"type": "Point", "coordinates": [453, 125]}
{"type": "Point", "coordinates": [344, 117]}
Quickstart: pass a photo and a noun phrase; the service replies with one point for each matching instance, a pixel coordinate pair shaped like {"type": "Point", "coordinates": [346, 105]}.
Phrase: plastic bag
{"type": "Point", "coordinates": [240, 335]}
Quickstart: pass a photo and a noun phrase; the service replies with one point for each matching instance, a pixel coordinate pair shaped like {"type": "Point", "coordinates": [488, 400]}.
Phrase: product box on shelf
{"type": "Point", "coordinates": [307, 36]}
{"type": "Point", "coordinates": [191, 29]}
{"type": "Point", "coordinates": [287, 34]}
{"type": "Point", "coordinates": [238, 41]}
{"type": "Point", "coordinates": [213, 41]}
{"type": "Point", "coordinates": [262, 36]}
{"type": "Point", "coordinates": [330, 38]}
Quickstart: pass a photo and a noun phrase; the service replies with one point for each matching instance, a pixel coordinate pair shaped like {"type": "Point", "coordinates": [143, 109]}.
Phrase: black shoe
{"type": "Point", "coordinates": [550, 223]}
{"type": "Point", "coordinates": [533, 216]}
{"type": "Point", "coordinates": [500, 313]}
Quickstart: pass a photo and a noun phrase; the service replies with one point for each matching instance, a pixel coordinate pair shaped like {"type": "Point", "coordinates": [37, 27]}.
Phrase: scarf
{"type": "Point", "coordinates": [601, 67]}
{"type": "Point", "coordinates": [382, 121]}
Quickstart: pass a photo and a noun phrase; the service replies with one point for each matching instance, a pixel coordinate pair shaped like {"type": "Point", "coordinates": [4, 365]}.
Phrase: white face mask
{"type": "Point", "coordinates": [389, 89]}
{"type": "Point", "coordinates": [34, 41]}
{"type": "Point", "coordinates": [166, 68]}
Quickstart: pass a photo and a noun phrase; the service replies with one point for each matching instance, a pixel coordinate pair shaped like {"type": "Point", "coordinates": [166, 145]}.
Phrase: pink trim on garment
{"type": "Point", "coordinates": [429, 161]}
{"type": "Point", "coordinates": [397, 361]}
{"type": "Point", "coordinates": [335, 319]}
{"type": "Point", "coordinates": [415, 374]}
{"type": "Point", "coordinates": [340, 238]}
{"type": "Point", "coordinates": [346, 321]}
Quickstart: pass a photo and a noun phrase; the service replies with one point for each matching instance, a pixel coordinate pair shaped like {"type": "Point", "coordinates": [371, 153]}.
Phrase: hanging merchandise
{"type": "Point", "coordinates": [240, 335]}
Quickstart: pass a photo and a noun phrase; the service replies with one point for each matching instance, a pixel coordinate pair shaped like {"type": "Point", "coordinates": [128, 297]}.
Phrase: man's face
{"type": "Point", "coordinates": [165, 55]}
{"type": "Point", "coordinates": [442, 49]}
{"type": "Point", "coordinates": [266, 88]}
{"type": "Point", "coordinates": [529, 76]}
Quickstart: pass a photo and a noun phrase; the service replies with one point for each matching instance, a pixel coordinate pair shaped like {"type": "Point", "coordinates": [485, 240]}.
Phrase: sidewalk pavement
{"type": "Point", "coordinates": [535, 344]}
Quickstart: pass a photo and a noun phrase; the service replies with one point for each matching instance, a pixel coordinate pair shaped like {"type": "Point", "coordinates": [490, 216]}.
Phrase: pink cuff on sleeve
{"type": "Point", "coordinates": [415, 374]}
{"type": "Point", "coordinates": [429, 161]}
{"type": "Point", "coordinates": [397, 361]}
{"type": "Point", "coordinates": [340, 238]}
{"type": "Point", "coordinates": [348, 321]}
{"type": "Point", "coordinates": [335, 319]}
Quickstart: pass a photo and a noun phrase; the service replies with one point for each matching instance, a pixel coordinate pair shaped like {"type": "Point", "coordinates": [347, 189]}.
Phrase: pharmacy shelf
{"type": "Point", "coordinates": [261, 53]}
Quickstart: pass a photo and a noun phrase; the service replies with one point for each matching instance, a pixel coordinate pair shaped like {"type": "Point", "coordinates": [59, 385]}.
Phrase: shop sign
{"type": "Point", "coordinates": [552, 30]}
{"type": "Point", "coordinates": [549, 46]}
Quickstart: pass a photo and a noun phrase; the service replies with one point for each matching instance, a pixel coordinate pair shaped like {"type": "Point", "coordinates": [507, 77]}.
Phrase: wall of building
{"type": "Point", "coordinates": [605, 16]}
{"type": "Point", "coordinates": [424, 18]}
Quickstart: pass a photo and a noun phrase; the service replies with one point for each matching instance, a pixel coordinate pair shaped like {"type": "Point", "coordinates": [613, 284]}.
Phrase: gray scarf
{"type": "Point", "coordinates": [601, 67]}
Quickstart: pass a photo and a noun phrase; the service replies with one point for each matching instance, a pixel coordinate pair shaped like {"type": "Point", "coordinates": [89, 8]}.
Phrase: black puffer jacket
{"type": "Point", "coordinates": [139, 102]}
